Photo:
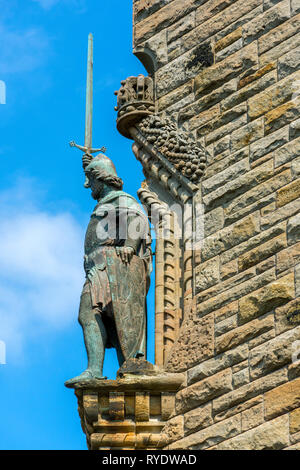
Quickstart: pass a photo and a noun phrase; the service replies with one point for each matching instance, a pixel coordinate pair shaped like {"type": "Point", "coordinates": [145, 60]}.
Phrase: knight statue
{"type": "Point", "coordinates": [117, 263]}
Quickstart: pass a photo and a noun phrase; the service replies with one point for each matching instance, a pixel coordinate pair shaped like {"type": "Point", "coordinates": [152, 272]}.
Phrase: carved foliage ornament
{"type": "Point", "coordinates": [178, 147]}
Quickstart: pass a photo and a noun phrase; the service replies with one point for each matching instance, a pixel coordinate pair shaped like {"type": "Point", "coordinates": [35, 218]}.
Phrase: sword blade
{"type": "Point", "coordinates": [89, 96]}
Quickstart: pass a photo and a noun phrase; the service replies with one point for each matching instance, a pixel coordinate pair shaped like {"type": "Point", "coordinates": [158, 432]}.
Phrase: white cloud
{"type": "Point", "coordinates": [41, 268]}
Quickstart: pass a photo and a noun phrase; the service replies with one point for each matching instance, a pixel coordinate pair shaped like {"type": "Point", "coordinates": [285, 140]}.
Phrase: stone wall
{"type": "Point", "coordinates": [228, 71]}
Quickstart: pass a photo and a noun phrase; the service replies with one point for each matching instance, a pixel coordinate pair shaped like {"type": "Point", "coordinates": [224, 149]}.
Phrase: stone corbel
{"type": "Point", "coordinates": [131, 412]}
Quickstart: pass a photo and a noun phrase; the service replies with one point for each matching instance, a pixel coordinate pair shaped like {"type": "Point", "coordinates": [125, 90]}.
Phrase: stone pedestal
{"type": "Point", "coordinates": [129, 412]}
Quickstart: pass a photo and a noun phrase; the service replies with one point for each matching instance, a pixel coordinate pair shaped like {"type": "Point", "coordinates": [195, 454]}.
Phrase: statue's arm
{"type": "Point", "coordinates": [136, 226]}
{"type": "Point", "coordinates": [137, 229]}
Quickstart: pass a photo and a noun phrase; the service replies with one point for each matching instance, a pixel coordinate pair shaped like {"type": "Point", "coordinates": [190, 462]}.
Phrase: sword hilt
{"type": "Point", "coordinates": [87, 150]}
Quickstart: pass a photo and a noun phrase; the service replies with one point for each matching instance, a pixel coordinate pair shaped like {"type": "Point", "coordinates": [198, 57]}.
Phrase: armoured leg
{"type": "Point", "coordinates": [95, 335]}
{"type": "Point", "coordinates": [116, 344]}
{"type": "Point", "coordinates": [95, 338]}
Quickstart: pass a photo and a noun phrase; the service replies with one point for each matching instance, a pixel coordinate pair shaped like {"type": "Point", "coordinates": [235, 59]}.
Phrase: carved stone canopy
{"type": "Point", "coordinates": [135, 101]}
{"type": "Point", "coordinates": [173, 164]}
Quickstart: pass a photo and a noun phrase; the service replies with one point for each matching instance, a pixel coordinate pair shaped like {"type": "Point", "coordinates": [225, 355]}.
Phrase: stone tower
{"type": "Point", "coordinates": [216, 128]}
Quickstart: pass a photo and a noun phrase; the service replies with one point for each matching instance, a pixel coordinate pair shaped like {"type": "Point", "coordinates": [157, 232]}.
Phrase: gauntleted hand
{"type": "Point", "coordinates": [125, 253]}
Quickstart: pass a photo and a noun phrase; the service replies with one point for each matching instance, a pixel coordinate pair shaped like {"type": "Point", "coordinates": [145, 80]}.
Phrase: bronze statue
{"type": "Point", "coordinates": [117, 262]}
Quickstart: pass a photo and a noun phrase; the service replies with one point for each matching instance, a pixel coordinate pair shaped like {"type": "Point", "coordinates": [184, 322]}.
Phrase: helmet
{"type": "Point", "coordinates": [103, 164]}
{"type": "Point", "coordinates": [103, 169]}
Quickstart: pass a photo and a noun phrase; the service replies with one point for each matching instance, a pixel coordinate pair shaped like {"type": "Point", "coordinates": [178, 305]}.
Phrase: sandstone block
{"type": "Point", "coordinates": [295, 6]}
{"type": "Point", "coordinates": [174, 429]}
{"type": "Point", "coordinates": [162, 18]}
{"type": "Point", "coordinates": [218, 363]}
{"type": "Point", "coordinates": [207, 274]}
{"type": "Point", "coordinates": [262, 252]}
{"type": "Point", "coordinates": [294, 369]}
{"type": "Point", "coordinates": [203, 391]}
{"type": "Point", "coordinates": [222, 147]}
{"type": "Point", "coordinates": [183, 26]}
{"type": "Point", "coordinates": [226, 41]}
{"type": "Point", "coordinates": [194, 344]}
{"type": "Point", "coordinates": [295, 129]}
{"type": "Point", "coordinates": [290, 62]}
{"type": "Point", "coordinates": [293, 447]}
{"type": "Point", "coordinates": [236, 280]}
{"type": "Point", "coordinates": [266, 210]}
{"type": "Point", "coordinates": [287, 153]}
{"type": "Point", "coordinates": [210, 436]}
{"type": "Point", "coordinates": [249, 391]}
{"type": "Point", "coordinates": [258, 197]}
{"type": "Point", "coordinates": [226, 311]}
{"type": "Point", "coordinates": [217, 74]}
{"type": "Point", "coordinates": [197, 419]}
{"type": "Point", "coordinates": [157, 45]}
{"type": "Point", "coordinates": [143, 8]}
{"type": "Point", "coordinates": [296, 168]}
{"type": "Point", "coordinates": [282, 115]}
{"type": "Point", "coordinates": [239, 367]}
{"type": "Point", "coordinates": [237, 187]}
{"type": "Point", "coordinates": [266, 21]}
{"type": "Point", "coordinates": [281, 214]}
{"type": "Point", "coordinates": [267, 298]}
{"type": "Point", "coordinates": [210, 9]}
{"type": "Point", "coordinates": [230, 236]}
{"type": "Point", "coordinates": [282, 48]}
{"type": "Point", "coordinates": [225, 118]}
{"type": "Point", "coordinates": [229, 269]}
{"type": "Point", "coordinates": [268, 436]}
{"type": "Point", "coordinates": [252, 417]}
{"type": "Point", "coordinates": [226, 325]}
{"type": "Point", "coordinates": [278, 34]}
{"type": "Point", "coordinates": [255, 342]}
{"type": "Point", "coordinates": [234, 171]}
{"type": "Point", "coordinates": [282, 315]}
{"type": "Point", "coordinates": [246, 134]}
{"type": "Point", "coordinates": [256, 85]}
{"type": "Point", "coordinates": [237, 45]}
{"type": "Point", "coordinates": [238, 408]}
{"type": "Point", "coordinates": [288, 258]}
{"type": "Point", "coordinates": [176, 95]}
{"type": "Point", "coordinates": [295, 421]}
{"type": "Point", "coordinates": [232, 294]}
{"type": "Point", "coordinates": [241, 378]}
{"type": "Point", "coordinates": [219, 21]}
{"type": "Point", "coordinates": [243, 333]}
{"type": "Point", "coordinates": [269, 143]}
{"type": "Point", "coordinates": [206, 116]}
{"type": "Point", "coordinates": [297, 279]}
{"type": "Point", "coordinates": [259, 239]}
{"type": "Point", "coordinates": [273, 96]}
{"type": "Point", "coordinates": [213, 221]}
{"type": "Point", "coordinates": [266, 265]}
{"type": "Point", "coordinates": [282, 399]}
{"type": "Point", "coordinates": [273, 354]}
{"type": "Point", "coordinates": [295, 438]}
{"type": "Point", "coordinates": [255, 73]}
{"type": "Point", "coordinates": [288, 193]}
{"type": "Point", "coordinates": [225, 130]}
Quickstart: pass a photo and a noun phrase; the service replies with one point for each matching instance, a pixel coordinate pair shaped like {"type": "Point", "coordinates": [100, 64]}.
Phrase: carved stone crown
{"type": "Point", "coordinates": [135, 101]}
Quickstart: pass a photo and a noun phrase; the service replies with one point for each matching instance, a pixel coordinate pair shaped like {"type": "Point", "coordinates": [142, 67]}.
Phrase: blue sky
{"type": "Point", "coordinates": [44, 208]}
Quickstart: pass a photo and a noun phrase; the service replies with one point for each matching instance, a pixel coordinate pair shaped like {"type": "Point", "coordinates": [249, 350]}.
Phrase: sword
{"type": "Point", "coordinates": [87, 148]}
